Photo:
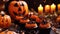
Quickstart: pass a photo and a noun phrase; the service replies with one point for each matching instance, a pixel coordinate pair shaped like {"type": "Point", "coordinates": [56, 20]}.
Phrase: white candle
{"type": "Point", "coordinates": [53, 8]}
{"type": "Point", "coordinates": [40, 9]}
{"type": "Point", "coordinates": [47, 8]}
{"type": "Point", "coordinates": [58, 7]}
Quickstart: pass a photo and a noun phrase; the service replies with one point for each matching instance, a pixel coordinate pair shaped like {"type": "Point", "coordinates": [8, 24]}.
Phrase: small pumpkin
{"type": "Point", "coordinates": [31, 25]}
{"type": "Point", "coordinates": [47, 25]}
{"type": "Point", "coordinates": [5, 20]}
{"type": "Point", "coordinates": [24, 21]}
{"type": "Point", "coordinates": [18, 8]}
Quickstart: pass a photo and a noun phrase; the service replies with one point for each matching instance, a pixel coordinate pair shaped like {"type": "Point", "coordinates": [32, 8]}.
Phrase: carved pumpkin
{"type": "Point", "coordinates": [5, 20]}
{"type": "Point", "coordinates": [18, 8]}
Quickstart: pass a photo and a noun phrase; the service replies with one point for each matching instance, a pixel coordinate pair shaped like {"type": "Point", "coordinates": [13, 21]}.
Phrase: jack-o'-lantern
{"type": "Point", "coordinates": [5, 20]}
{"type": "Point", "coordinates": [18, 8]}
{"type": "Point", "coordinates": [31, 25]}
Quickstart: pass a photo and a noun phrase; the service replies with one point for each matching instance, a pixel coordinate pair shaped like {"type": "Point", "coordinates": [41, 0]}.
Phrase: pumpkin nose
{"type": "Point", "coordinates": [19, 9]}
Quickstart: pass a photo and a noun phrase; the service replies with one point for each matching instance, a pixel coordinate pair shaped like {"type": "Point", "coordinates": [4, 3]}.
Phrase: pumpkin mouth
{"type": "Point", "coordinates": [20, 14]}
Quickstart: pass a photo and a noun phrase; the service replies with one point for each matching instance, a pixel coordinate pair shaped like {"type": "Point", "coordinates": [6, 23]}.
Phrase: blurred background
{"type": "Point", "coordinates": [31, 3]}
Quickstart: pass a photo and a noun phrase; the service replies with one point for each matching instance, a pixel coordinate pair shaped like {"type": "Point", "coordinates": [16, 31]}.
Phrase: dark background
{"type": "Point", "coordinates": [35, 3]}
{"type": "Point", "coordinates": [31, 3]}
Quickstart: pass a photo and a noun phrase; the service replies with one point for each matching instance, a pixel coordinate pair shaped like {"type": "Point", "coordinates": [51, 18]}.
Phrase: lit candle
{"type": "Point", "coordinates": [53, 8]}
{"type": "Point", "coordinates": [47, 8]}
{"type": "Point", "coordinates": [40, 9]}
{"type": "Point", "coordinates": [58, 7]}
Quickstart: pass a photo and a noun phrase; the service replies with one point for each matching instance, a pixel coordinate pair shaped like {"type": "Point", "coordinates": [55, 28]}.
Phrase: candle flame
{"type": "Point", "coordinates": [40, 5]}
{"type": "Point", "coordinates": [53, 4]}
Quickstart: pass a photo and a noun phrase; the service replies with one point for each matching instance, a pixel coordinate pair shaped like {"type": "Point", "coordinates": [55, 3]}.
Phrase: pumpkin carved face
{"type": "Point", "coordinates": [5, 21]}
{"type": "Point", "coordinates": [18, 8]}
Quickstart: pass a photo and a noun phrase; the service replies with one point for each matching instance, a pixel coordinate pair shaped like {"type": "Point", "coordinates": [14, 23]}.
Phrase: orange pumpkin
{"type": "Point", "coordinates": [31, 26]}
{"type": "Point", "coordinates": [45, 25]}
{"type": "Point", "coordinates": [24, 21]}
{"type": "Point", "coordinates": [5, 21]}
{"type": "Point", "coordinates": [18, 8]}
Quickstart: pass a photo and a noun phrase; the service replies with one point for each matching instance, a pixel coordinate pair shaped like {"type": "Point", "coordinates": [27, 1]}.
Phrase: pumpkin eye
{"type": "Point", "coordinates": [16, 5]}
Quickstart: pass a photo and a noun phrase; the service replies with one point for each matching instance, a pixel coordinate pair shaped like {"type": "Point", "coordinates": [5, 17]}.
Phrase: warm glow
{"type": "Point", "coordinates": [47, 8]}
{"type": "Point", "coordinates": [40, 9]}
{"type": "Point", "coordinates": [58, 7]}
{"type": "Point", "coordinates": [40, 5]}
{"type": "Point", "coordinates": [53, 7]}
